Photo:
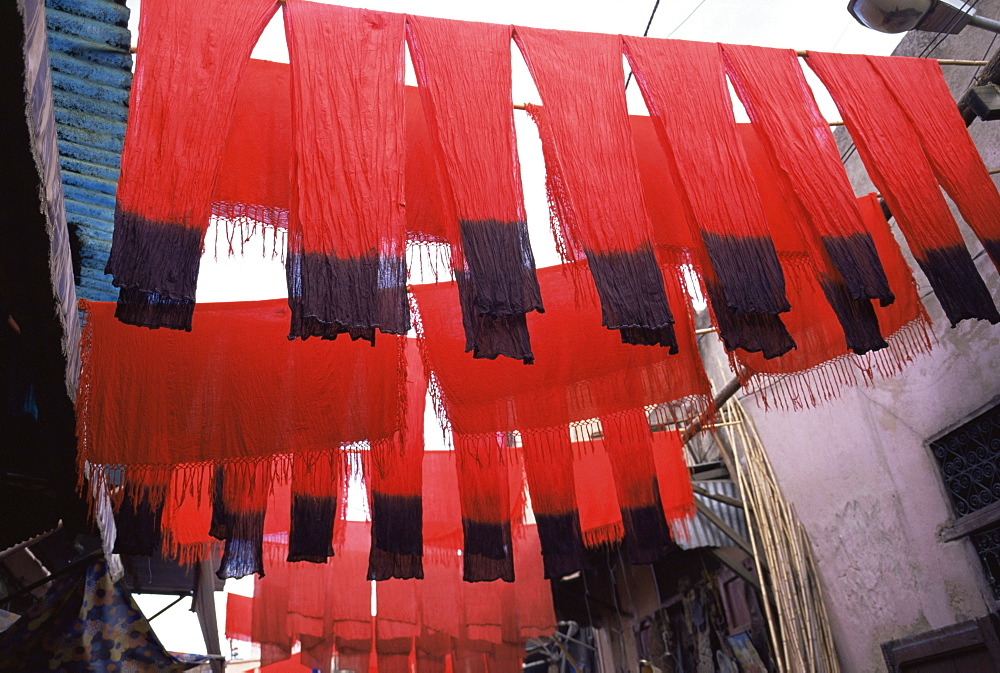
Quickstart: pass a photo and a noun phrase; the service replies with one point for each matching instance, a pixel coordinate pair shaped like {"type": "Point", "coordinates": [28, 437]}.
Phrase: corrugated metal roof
{"type": "Point", "coordinates": [704, 533]}
{"type": "Point", "coordinates": [91, 79]}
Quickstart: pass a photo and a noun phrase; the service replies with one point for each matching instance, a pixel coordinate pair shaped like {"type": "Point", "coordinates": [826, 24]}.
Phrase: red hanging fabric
{"type": "Point", "coordinates": [270, 610]}
{"type": "Point", "coordinates": [815, 186]}
{"type": "Point", "coordinates": [464, 70]}
{"type": "Point", "coordinates": [348, 598]}
{"type": "Point", "coordinates": [685, 89]}
{"type": "Point", "coordinates": [680, 244]}
{"type": "Point", "coordinates": [822, 365]}
{"type": "Point", "coordinates": [397, 609]}
{"type": "Point", "coordinates": [316, 485]}
{"type": "Point", "coordinates": [672, 480]}
{"type": "Point", "coordinates": [239, 505]}
{"type": "Point", "coordinates": [442, 507]}
{"type": "Point", "coordinates": [179, 115]}
{"type": "Point", "coordinates": [533, 592]}
{"type": "Point", "coordinates": [773, 89]}
{"type": "Point", "coordinates": [239, 617]}
{"type": "Point", "coordinates": [891, 151]}
{"type": "Point", "coordinates": [600, 515]}
{"type": "Point", "coordinates": [394, 483]}
{"type": "Point", "coordinates": [593, 177]}
{"type": "Point", "coordinates": [946, 142]}
{"type": "Point", "coordinates": [549, 472]}
{"type": "Point", "coordinates": [485, 497]}
{"type": "Point", "coordinates": [253, 181]}
{"type": "Point", "coordinates": [302, 398]}
{"type": "Point", "coordinates": [346, 237]}
{"type": "Point", "coordinates": [629, 444]}
{"type": "Point", "coordinates": [187, 517]}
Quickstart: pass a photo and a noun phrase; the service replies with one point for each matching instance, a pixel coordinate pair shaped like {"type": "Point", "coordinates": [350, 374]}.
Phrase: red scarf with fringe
{"type": "Point", "coordinates": [253, 186]}
{"type": "Point", "coordinates": [593, 180]}
{"type": "Point", "coordinates": [483, 486]}
{"type": "Point", "coordinates": [315, 490]}
{"type": "Point", "coordinates": [137, 384]}
{"type": "Point", "coordinates": [592, 376]}
{"type": "Point", "coordinates": [801, 146]}
{"type": "Point", "coordinates": [394, 484]}
{"type": "Point", "coordinates": [179, 116]}
{"type": "Point", "coordinates": [685, 89]}
{"type": "Point", "coordinates": [347, 228]}
{"type": "Point", "coordinates": [600, 515]}
{"type": "Point", "coordinates": [891, 150]}
{"type": "Point", "coordinates": [464, 70]}
{"type": "Point", "coordinates": [946, 142]}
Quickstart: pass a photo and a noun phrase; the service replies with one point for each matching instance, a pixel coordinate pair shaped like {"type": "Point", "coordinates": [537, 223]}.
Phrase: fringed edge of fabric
{"type": "Point", "coordinates": [606, 536]}
{"type": "Point", "coordinates": [239, 228]}
{"type": "Point", "coordinates": [826, 381]}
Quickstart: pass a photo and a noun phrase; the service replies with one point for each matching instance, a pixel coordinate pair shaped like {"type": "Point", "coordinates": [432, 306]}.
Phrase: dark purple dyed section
{"type": "Point", "coordinates": [137, 525]}
{"type": "Point", "coordinates": [489, 336]}
{"type": "Point", "coordinates": [640, 336]}
{"type": "Point", "coordinates": [384, 565]}
{"type": "Point", "coordinates": [856, 258]}
{"type": "Point", "coordinates": [632, 295]}
{"type": "Point", "coordinates": [753, 332]}
{"type": "Point", "coordinates": [563, 552]}
{"type": "Point", "coordinates": [243, 553]}
{"type": "Point", "coordinates": [647, 538]}
{"type": "Point", "coordinates": [330, 296]}
{"type": "Point", "coordinates": [310, 535]}
{"type": "Point", "coordinates": [150, 309]}
{"type": "Point", "coordinates": [856, 316]}
{"type": "Point", "coordinates": [501, 267]}
{"type": "Point", "coordinates": [397, 523]}
{"type": "Point", "coordinates": [158, 257]}
{"type": "Point", "coordinates": [749, 273]}
{"type": "Point", "coordinates": [992, 247]}
{"type": "Point", "coordinates": [957, 284]}
{"type": "Point", "coordinates": [487, 555]}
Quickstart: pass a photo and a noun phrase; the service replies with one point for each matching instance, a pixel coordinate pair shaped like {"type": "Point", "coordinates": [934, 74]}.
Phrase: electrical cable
{"type": "Point", "coordinates": [645, 33]}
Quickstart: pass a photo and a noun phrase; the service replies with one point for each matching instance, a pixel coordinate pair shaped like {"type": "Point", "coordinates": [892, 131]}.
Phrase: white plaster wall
{"type": "Point", "coordinates": [859, 473]}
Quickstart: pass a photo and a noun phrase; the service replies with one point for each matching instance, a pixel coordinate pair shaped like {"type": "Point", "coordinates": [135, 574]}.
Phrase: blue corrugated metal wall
{"type": "Point", "coordinates": [91, 77]}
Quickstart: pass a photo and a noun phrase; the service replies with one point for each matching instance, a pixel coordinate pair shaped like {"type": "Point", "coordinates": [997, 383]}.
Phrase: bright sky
{"type": "Point", "coordinates": [821, 25]}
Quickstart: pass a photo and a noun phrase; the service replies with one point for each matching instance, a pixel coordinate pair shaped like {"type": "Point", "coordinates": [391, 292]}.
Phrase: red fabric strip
{"type": "Point", "coordinates": [347, 222]}
{"type": "Point", "coordinates": [187, 516]}
{"type": "Point", "coordinates": [593, 173]}
{"type": "Point", "coordinates": [486, 506]}
{"type": "Point", "coordinates": [179, 115]}
{"type": "Point", "coordinates": [685, 89]}
{"type": "Point", "coordinates": [946, 142]}
{"type": "Point", "coordinates": [568, 382]}
{"type": "Point", "coordinates": [600, 515]}
{"type": "Point", "coordinates": [891, 151]}
{"type": "Point", "coordinates": [464, 71]}
{"type": "Point", "coordinates": [801, 145]}
{"type": "Point", "coordinates": [234, 390]}
{"type": "Point", "coordinates": [239, 617]}
{"type": "Point", "coordinates": [253, 181]}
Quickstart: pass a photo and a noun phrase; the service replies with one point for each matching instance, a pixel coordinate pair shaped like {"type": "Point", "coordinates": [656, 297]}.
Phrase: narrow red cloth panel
{"type": "Point", "coordinates": [679, 242]}
{"type": "Point", "coordinates": [591, 375]}
{"type": "Point", "coordinates": [599, 197]}
{"type": "Point", "coordinates": [891, 151]}
{"type": "Point", "coordinates": [483, 606]}
{"type": "Point", "coordinates": [533, 592]}
{"type": "Point", "coordinates": [398, 609]}
{"type": "Point", "coordinates": [348, 597]}
{"type": "Point", "coordinates": [440, 604]}
{"type": "Point", "coordinates": [600, 515]}
{"type": "Point", "coordinates": [394, 481]}
{"type": "Point", "coordinates": [464, 71]}
{"type": "Point", "coordinates": [253, 183]}
{"type": "Point", "coordinates": [684, 86]}
{"type": "Point", "coordinates": [239, 617]}
{"type": "Point", "coordinates": [179, 115]}
{"type": "Point", "coordinates": [347, 227]}
{"type": "Point", "coordinates": [317, 480]}
{"type": "Point", "coordinates": [946, 142]}
{"type": "Point", "coordinates": [187, 516]}
{"type": "Point", "coordinates": [548, 468]}
{"type": "Point", "coordinates": [673, 480]}
{"type": "Point", "coordinates": [442, 507]}
{"type": "Point", "coordinates": [486, 522]}
{"type": "Point", "coordinates": [629, 444]}
{"type": "Point", "coordinates": [773, 89]}
{"type": "Point", "coordinates": [823, 365]}
{"type": "Point", "coordinates": [270, 610]}
{"type": "Point", "coordinates": [307, 398]}
{"type": "Point", "coordinates": [306, 599]}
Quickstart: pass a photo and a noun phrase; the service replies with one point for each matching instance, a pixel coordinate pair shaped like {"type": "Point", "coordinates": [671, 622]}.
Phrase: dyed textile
{"type": "Point", "coordinates": [86, 622]}
{"type": "Point", "coordinates": [464, 71]}
{"type": "Point", "coordinates": [347, 228]}
{"type": "Point", "coordinates": [946, 142]}
{"type": "Point", "coordinates": [593, 180]}
{"type": "Point", "coordinates": [306, 399]}
{"type": "Point", "coordinates": [685, 89]}
{"type": "Point", "coordinates": [239, 617]}
{"type": "Point", "coordinates": [179, 116]}
{"type": "Point", "coordinates": [801, 146]}
{"type": "Point", "coordinates": [891, 150]}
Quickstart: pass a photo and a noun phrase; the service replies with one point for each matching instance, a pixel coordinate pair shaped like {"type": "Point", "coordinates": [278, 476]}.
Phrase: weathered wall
{"type": "Point", "coordinates": [858, 470]}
